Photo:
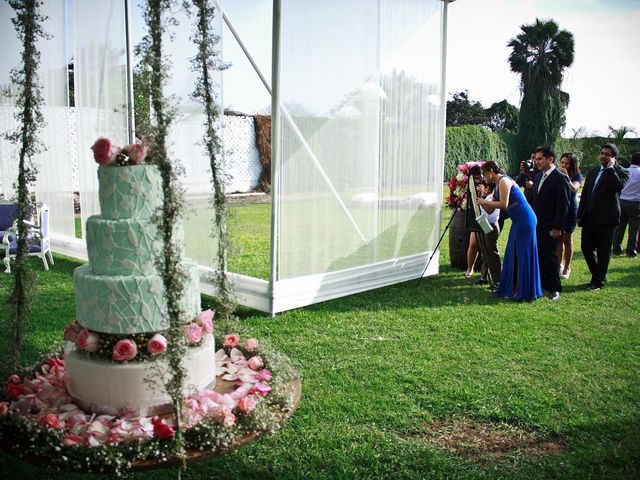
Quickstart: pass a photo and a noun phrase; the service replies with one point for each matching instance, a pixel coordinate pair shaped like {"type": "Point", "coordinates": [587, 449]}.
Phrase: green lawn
{"type": "Point", "coordinates": [379, 368]}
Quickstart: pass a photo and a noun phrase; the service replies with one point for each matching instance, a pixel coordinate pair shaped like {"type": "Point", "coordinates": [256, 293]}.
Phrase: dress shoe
{"type": "Point", "coordinates": [481, 281]}
{"type": "Point", "coordinates": [494, 286]}
{"type": "Point", "coordinates": [594, 287]}
{"type": "Point", "coordinates": [632, 254]}
{"type": "Point", "coordinates": [554, 296]}
{"type": "Point", "coordinates": [616, 252]}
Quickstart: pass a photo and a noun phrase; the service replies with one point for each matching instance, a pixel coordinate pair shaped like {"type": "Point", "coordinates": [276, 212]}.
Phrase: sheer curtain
{"type": "Point", "coordinates": [100, 74]}
{"type": "Point", "coordinates": [9, 59]}
{"type": "Point", "coordinates": [359, 133]}
{"type": "Point", "coordinates": [54, 183]}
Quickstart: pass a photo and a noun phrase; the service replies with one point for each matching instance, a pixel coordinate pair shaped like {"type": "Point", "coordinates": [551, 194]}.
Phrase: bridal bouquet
{"type": "Point", "coordinates": [458, 185]}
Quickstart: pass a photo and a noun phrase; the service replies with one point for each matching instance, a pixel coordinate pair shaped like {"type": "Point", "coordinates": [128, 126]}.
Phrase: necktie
{"type": "Point", "coordinates": [597, 178]}
{"type": "Point", "coordinates": [544, 177]}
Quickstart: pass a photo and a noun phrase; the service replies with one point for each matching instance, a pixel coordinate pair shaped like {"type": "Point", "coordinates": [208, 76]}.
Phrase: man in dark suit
{"type": "Point", "coordinates": [550, 202]}
{"type": "Point", "coordinates": [599, 213]}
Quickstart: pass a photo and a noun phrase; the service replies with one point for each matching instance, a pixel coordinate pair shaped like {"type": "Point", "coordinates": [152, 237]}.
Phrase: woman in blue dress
{"type": "Point", "coordinates": [520, 275]}
{"type": "Point", "coordinates": [569, 167]}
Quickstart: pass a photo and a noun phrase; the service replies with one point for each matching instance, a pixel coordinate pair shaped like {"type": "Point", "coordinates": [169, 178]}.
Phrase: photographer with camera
{"type": "Point", "coordinates": [528, 172]}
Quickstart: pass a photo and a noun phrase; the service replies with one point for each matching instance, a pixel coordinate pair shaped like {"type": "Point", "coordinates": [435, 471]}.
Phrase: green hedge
{"type": "Point", "coordinates": [474, 143]}
{"type": "Point", "coordinates": [470, 143]}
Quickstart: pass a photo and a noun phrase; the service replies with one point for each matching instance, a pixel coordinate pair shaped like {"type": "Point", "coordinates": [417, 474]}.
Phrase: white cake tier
{"type": "Point", "coordinates": [129, 304]}
{"type": "Point", "coordinates": [129, 192]}
{"type": "Point", "coordinates": [125, 247]}
{"type": "Point", "coordinates": [135, 387]}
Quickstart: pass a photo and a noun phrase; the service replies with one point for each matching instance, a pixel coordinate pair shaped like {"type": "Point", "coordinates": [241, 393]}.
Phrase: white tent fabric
{"type": "Point", "coordinates": [358, 142]}
{"type": "Point", "coordinates": [100, 60]}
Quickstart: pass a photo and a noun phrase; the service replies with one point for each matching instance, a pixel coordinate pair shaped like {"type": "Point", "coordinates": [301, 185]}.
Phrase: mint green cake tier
{"type": "Point", "coordinates": [125, 247]}
{"type": "Point", "coordinates": [128, 303]}
{"type": "Point", "coordinates": [129, 192]}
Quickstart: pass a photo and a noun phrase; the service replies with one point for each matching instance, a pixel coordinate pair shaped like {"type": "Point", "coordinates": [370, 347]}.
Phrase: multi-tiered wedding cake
{"type": "Point", "coordinates": [115, 363]}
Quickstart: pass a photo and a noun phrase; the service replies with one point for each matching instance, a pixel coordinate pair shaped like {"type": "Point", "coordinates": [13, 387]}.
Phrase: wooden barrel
{"type": "Point", "coordinates": [459, 243]}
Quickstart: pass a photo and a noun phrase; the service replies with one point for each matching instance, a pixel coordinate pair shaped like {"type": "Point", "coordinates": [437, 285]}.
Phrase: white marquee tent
{"type": "Point", "coordinates": [357, 95]}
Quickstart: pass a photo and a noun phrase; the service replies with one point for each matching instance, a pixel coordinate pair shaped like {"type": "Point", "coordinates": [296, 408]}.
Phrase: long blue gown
{"type": "Point", "coordinates": [521, 254]}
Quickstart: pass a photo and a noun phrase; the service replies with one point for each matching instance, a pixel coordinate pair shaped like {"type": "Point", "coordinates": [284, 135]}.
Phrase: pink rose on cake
{"type": "Point", "coordinates": [193, 332]}
{"type": "Point", "coordinates": [104, 151]}
{"type": "Point", "coordinates": [157, 344]}
{"type": "Point", "coordinates": [50, 420]}
{"type": "Point", "coordinates": [136, 152]}
{"type": "Point", "coordinates": [205, 320]}
{"type": "Point", "coordinates": [251, 344]}
{"type": "Point", "coordinates": [87, 340]}
{"type": "Point", "coordinates": [71, 332]}
{"type": "Point", "coordinates": [231, 340]}
{"type": "Point", "coordinates": [124, 350]}
{"type": "Point", "coordinates": [263, 375]}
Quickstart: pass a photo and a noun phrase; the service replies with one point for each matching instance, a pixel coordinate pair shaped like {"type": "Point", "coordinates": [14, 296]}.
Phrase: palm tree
{"type": "Point", "coordinates": [540, 54]}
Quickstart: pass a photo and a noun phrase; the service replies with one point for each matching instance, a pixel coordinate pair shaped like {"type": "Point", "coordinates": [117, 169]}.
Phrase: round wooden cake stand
{"type": "Point", "coordinates": [294, 388]}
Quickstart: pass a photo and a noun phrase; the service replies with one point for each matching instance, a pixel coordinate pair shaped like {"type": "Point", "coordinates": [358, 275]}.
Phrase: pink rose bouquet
{"type": "Point", "coordinates": [231, 340]}
{"type": "Point", "coordinates": [246, 404]}
{"type": "Point", "coordinates": [193, 332]}
{"type": "Point", "coordinates": [87, 340]}
{"type": "Point", "coordinates": [458, 185]}
{"type": "Point", "coordinates": [157, 344]}
{"type": "Point", "coordinates": [255, 363]}
{"type": "Point", "coordinates": [205, 320]}
{"type": "Point", "coordinates": [124, 350]}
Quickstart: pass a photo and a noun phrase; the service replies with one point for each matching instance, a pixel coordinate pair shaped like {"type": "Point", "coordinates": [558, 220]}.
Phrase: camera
{"type": "Point", "coordinates": [528, 165]}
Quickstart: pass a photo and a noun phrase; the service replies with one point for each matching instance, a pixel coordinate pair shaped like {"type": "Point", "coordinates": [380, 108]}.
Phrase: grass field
{"type": "Point", "coordinates": [441, 381]}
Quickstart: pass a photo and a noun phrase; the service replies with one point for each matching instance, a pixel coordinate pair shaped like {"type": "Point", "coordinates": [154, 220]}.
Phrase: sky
{"type": "Point", "coordinates": [603, 82]}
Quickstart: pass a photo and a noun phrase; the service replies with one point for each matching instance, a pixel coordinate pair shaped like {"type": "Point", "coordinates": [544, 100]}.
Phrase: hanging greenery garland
{"type": "Point", "coordinates": [206, 62]}
{"type": "Point", "coordinates": [28, 24]}
{"type": "Point", "coordinates": [174, 275]}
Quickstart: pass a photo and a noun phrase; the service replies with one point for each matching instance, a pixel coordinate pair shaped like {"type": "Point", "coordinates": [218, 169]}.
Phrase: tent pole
{"type": "Point", "coordinates": [130, 98]}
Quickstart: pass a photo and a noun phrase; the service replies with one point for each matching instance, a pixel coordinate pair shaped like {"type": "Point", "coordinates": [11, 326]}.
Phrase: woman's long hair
{"type": "Point", "coordinates": [573, 163]}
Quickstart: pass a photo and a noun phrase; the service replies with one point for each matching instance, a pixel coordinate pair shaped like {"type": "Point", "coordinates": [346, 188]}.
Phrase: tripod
{"type": "Point", "coordinates": [464, 195]}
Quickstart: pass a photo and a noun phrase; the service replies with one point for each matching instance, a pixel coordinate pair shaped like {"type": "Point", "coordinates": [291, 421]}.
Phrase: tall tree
{"type": "Point", "coordinates": [540, 54]}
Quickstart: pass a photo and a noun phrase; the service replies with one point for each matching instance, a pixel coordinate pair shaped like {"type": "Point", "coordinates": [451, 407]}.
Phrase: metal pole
{"type": "Point", "coordinates": [130, 94]}
{"type": "Point", "coordinates": [275, 145]}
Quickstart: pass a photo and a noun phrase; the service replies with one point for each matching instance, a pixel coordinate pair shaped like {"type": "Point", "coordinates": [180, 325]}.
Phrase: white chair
{"type": "Point", "coordinates": [38, 241]}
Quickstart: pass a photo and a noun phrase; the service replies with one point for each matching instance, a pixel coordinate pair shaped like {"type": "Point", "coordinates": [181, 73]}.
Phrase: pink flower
{"type": "Point", "coordinates": [14, 379]}
{"type": "Point", "coordinates": [263, 376]}
{"type": "Point", "coordinates": [251, 344]}
{"type": "Point", "coordinates": [55, 362]}
{"type": "Point", "coordinates": [205, 320]}
{"type": "Point", "coordinates": [137, 152]}
{"type": "Point", "coordinates": [157, 344]}
{"type": "Point", "coordinates": [259, 389]}
{"type": "Point", "coordinates": [246, 404]}
{"type": "Point", "coordinates": [231, 340]}
{"type": "Point", "coordinates": [14, 390]}
{"type": "Point", "coordinates": [71, 440]}
{"type": "Point", "coordinates": [162, 430]}
{"type": "Point", "coordinates": [228, 419]}
{"type": "Point", "coordinates": [50, 420]}
{"type": "Point", "coordinates": [87, 340]}
{"type": "Point", "coordinates": [4, 409]}
{"type": "Point", "coordinates": [124, 350]}
{"type": "Point", "coordinates": [71, 332]}
{"type": "Point", "coordinates": [255, 363]}
{"type": "Point", "coordinates": [103, 150]}
{"type": "Point", "coordinates": [193, 332]}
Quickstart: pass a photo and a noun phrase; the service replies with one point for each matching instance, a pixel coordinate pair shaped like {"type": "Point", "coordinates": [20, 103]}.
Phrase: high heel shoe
{"type": "Point", "coordinates": [566, 274]}
{"type": "Point", "coordinates": [468, 274]}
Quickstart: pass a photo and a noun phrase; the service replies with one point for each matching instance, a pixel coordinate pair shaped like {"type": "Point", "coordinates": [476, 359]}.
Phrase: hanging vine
{"type": "Point", "coordinates": [205, 63]}
{"type": "Point", "coordinates": [28, 24]}
{"type": "Point", "coordinates": [173, 272]}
